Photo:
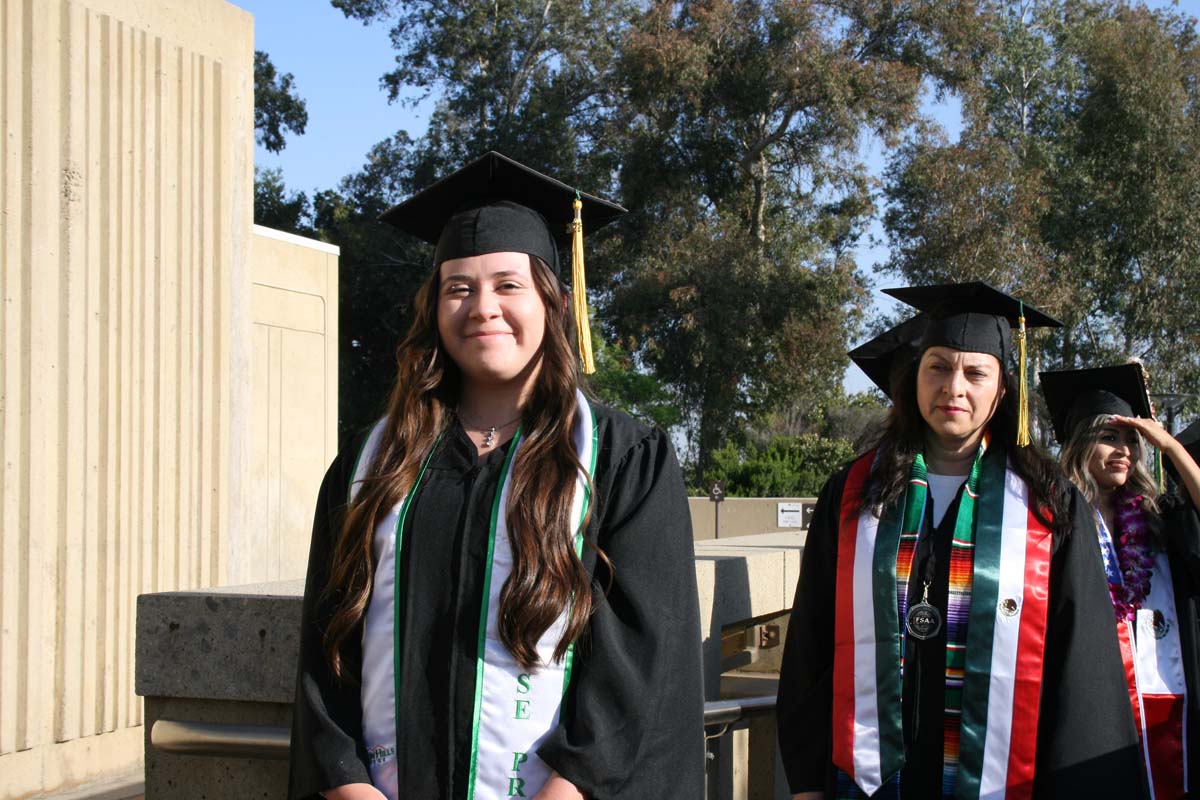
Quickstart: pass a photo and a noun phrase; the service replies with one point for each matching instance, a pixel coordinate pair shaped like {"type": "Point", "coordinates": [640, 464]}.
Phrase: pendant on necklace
{"type": "Point", "coordinates": [490, 438]}
{"type": "Point", "coordinates": [923, 621]}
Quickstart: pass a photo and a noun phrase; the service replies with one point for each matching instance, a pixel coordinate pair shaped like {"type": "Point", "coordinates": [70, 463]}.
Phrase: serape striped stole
{"type": "Point", "coordinates": [1000, 569]}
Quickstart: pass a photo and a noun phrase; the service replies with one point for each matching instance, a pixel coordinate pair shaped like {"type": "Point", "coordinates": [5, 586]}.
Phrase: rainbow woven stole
{"type": "Point", "coordinates": [998, 594]}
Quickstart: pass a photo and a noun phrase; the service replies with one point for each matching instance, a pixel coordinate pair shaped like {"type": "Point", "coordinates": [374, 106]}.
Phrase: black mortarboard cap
{"type": "Point", "coordinates": [495, 204]}
{"type": "Point", "coordinates": [1075, 395]}
{"type": "Point", "coordinates": [1189, 437]}
{"type": "Point", "coordinates": [883, 357]}
{"type": "Point", "coordinates": [974, 317]}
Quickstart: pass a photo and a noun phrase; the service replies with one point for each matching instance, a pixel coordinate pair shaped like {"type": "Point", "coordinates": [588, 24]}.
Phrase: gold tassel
{"type": "Point", "coordinates": [583, 328]}
{"type": "Point", "coordinates": [1023, 387]}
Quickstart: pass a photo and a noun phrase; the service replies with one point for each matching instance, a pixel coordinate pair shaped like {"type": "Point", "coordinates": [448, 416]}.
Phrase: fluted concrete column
{"type": "Point", "coordinates": [126, 176]}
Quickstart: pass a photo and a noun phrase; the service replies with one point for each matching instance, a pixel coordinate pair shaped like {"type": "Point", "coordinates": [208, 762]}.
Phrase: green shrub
{"type": "Point", "coordinates": [787, 466]}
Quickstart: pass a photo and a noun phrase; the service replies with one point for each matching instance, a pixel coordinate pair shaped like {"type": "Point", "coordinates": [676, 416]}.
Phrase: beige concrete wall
{"type": "Point", "coordinates": [293, 423]}
{"type": "Point", "coordinates": [125, 204]}
{"type": "Point", "coordinates": [740, 516]}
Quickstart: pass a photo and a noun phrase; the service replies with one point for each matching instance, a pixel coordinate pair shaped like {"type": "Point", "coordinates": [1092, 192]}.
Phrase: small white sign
{"type": "Point", "coordinates": [789, 515]}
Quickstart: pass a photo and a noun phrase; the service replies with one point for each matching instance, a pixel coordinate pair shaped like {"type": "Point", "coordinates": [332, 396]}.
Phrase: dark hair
{"type": "Point", "coordinates": [903, 436]}
{"type": "Point", "coordinates": [547, 577]}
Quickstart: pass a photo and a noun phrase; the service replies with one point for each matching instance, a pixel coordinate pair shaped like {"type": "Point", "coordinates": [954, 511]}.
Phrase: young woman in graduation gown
{"type": "Point", "coordinates": [1151, 546]}
{"type": "Point", "coordinates": [501, 599]}
{"type": "Point", "coordinates": [949, 634]}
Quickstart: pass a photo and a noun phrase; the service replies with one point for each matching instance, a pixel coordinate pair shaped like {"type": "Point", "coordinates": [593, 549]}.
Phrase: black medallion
{"type": "Point", "coordinates": [923, 621]}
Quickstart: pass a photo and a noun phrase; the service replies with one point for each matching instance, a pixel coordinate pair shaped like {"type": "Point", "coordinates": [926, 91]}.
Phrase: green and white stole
{"type": "Point", "coordinates": [1005, 639]}
{"type": "Point", "coordinates": [514, 709]}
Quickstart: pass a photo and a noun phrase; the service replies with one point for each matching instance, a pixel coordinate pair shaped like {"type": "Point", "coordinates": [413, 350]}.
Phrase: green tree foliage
{"type": "Point", "coordinates": [732, 129]}
{"type": "Point", "coordinates": [740, 132]}
{"type": "Point", "coordinates": [787, 466]}
{"type": "Point", "coordinates": [379, 273]}
{"type": "Point", "coordinates": [525, 78]}
{"type": "Point", "coordinates": [276, 207]}
{"type": "Point", "coordinates": [619, 383]}
{"type": "Point", "coordinates": [1075, 181]}
{"type": "Point", "coordinates": [277, 107]}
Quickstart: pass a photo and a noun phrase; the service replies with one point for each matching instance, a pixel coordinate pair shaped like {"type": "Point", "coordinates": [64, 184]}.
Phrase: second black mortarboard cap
{"type": "Point", "coordinates": [1076, 395]}
{"type": "Point", "coordinates": [978, 318]}
{"type": "Point", "coordinates": [974, 317]}
{"type": "Point", "coordinates": [884, 358]}
{"type": "Point", "coordinates": [495, 204]}
{"type": "Point", "coordinates": [1189, 437]}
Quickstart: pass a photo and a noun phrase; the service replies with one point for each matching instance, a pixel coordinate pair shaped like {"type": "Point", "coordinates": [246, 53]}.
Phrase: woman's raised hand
{"type": "Point", "coordinates": [1157, 435]}
{"type": "Point", "coordinates": [1150, 429]}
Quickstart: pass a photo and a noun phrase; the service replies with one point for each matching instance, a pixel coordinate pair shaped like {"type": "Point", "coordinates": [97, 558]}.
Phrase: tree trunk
{"type": "Point", "coordinates": [759, 214]}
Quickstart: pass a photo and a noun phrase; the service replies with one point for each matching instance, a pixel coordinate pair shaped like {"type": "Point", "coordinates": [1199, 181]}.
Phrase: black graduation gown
{"type": "Point", "coordinates": [632, 719]}
{"type": "Point", "coordinates": [1087, 745]}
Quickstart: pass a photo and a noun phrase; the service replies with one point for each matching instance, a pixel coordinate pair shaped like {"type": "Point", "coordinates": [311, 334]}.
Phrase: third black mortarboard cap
{"type": "Point", "coordinates": [495, 204]}
{"type": "Point", "coordinates": [974, 317]}
{"type": "Point", "coordinates": [1189, 437]}
{"type": "Point", "coordinates": [1075, 395]}
{"type": "Point", "coordinates": [883, 357]}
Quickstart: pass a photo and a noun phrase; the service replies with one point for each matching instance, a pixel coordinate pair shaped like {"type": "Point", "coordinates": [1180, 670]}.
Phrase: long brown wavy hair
{"type": "Point", "coordinates": [903, 436]}
{"type": "Point", "coordinates": [547, 577]}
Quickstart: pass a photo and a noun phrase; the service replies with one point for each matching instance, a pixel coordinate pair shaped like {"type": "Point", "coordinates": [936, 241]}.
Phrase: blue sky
{"type": "Point", "coordinates": [337, 63]}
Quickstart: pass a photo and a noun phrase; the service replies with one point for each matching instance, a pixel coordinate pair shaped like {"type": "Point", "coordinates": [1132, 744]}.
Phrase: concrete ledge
{"type": "Point", "coordinates": [741, 579]}
{"type": "Point", "coordinates": [233, 643]}
{"type": "Point", "coordinates": [229, 656]}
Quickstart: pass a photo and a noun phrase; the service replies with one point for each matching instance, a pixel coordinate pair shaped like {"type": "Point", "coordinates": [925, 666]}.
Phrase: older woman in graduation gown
{"type": "Point", "coordinates": [949, 636]}
{"type": "Point", "coordinates": [1150, 541]}
{"type": "Point", "coordinates": [501, 599]}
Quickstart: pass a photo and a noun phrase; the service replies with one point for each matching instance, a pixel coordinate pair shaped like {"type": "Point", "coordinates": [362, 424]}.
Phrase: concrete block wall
{"type": "Point", "coordinates": [741, 516]}
{"type": "Point", "coordinates": [126, 175]}
{"type": "Point", "coordinates": [293, 415]}
{"type": "Point", "coordinates": [229, 655]}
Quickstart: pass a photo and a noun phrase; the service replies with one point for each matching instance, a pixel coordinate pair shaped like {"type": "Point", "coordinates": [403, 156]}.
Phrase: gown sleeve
{"type": "Point", "coordinates": [1087, 744]}
{"type": "Point", "coordinates": [326, 749]}
{"type": "Point", "coordinates": [1181, 532]}
{"type": "Point", "coordinates": [632, 720]}
{"type": "Point", "coordinates": [804, 709]}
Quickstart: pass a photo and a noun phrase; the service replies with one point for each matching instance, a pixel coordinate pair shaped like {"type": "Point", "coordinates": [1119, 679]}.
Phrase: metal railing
{"type": "Point", "coordinates": [237, 740]}
{"type": "Point", "coordinates": [221, 739]}
{"type": "Point", "coordinates": [725, 713]}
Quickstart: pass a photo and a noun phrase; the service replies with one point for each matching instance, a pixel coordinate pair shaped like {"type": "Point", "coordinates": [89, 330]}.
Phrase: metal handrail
{"type": "Point", "coordinates": [238, 740]}
{"type": "Point", "coordinates": [727, 712]}
{"type": "Point", "coordinates": [222, 739]}
{"type": "Point", "coordinates": [720, 712]}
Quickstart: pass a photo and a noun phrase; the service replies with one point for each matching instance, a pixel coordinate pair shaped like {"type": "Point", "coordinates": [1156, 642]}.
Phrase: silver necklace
{"type": "Point", "coordinates": [489, 438]}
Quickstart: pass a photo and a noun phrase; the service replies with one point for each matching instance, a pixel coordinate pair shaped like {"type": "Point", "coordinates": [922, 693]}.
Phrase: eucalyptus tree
{"type": "Point", "coordinates": [1074, 181]}
{"type": "Point", "coordinates": [742, 124]}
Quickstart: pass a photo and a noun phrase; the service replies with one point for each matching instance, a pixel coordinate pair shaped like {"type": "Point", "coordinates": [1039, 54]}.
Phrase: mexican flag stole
{"type": "Point", "coordinates": [1001, 564]}
{"type": "Point", "coordinates": [1153, 658]}
{"type": "Point", "coordinates": [514, 708]}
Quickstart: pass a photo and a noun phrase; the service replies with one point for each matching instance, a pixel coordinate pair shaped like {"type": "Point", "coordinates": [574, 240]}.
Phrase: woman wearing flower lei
{"type": "Point", "coordinates": [1150, 542]}
{"type": "Point", "coordinates": [950, 636]}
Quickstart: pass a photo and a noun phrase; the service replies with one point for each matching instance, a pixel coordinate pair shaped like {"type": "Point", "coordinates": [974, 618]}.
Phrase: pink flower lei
{"type": "Point", "coordinates": [1133, 555]}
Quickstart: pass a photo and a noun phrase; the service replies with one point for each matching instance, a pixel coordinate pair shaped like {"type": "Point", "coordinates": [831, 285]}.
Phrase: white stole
{"type": "Point", "coordinates": [514, 710]}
